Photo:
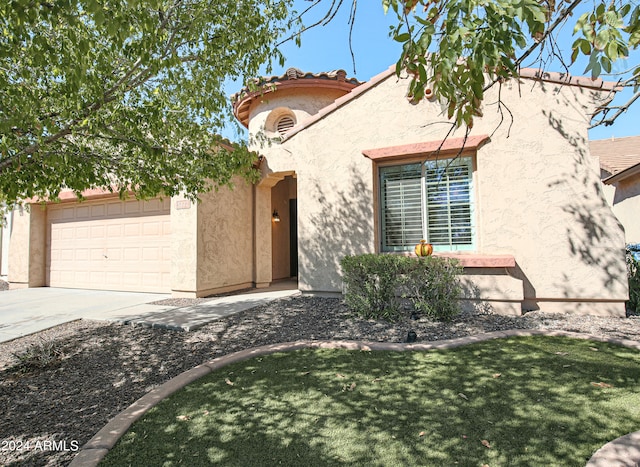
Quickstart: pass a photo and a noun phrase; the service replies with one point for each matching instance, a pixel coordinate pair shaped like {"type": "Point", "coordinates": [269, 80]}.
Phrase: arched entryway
{"type": "Point", "coordinates": [276, 228]}
{"type": "Point", "coordinates": [284, 237]}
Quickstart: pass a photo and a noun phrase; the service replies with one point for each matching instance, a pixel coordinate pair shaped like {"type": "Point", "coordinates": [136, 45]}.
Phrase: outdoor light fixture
{"type": "Point", "coordinates": [276, 217]}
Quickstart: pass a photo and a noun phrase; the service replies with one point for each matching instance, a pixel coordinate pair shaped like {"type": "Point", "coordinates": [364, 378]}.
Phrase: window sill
{"type": "Point", "coordinates": [481, 261]}
{"type": "Point", "coordinates": [470, 260]}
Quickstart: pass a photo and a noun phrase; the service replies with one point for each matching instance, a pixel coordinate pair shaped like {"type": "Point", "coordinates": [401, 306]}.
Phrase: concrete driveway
{"type": "Point", "coordinates": [25, 311]}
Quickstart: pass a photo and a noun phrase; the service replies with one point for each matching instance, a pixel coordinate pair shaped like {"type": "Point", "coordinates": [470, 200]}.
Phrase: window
{"type": "Point", "coordinates": [431, 200]}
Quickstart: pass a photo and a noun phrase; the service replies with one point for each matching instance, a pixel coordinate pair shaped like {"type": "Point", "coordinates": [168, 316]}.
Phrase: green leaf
{"type": "Point", "coordinates": [476, 87]}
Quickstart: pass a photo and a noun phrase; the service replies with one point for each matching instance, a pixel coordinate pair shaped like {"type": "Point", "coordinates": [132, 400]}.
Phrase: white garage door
{"type": "Point", "coordinates": [110, 245]}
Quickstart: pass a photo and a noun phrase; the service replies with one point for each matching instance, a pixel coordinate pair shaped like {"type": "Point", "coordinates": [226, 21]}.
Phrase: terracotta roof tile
{"type": "Point", "coordinates": [336, 79]}
{"type": "Point", "coordinates": [616, 154]}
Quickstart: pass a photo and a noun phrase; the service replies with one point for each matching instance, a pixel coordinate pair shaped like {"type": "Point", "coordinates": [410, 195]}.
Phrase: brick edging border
{"type": "Point", "coordinates": [624, 451]}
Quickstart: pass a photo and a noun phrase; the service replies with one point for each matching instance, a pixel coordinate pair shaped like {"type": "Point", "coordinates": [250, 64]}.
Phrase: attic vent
{"type": "Point", "coordinates": [284, 124]}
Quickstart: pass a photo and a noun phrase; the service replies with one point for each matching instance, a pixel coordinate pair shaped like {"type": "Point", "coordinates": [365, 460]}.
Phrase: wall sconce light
{"type": "Point", "coordinates": [275, 216]}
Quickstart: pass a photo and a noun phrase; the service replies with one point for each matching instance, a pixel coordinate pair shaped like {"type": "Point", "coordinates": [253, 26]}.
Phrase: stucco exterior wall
{"type": "Point", "coordinates": [27, 254]}
{"type": "Point", "coordinates": [624, 197]}
{"type": "Point", "coordinates": [225, 239]}
{"type": "Point", "coordinates": [303, 102]}
{"type": "Point", "coordinates": [212, 242]}
{"type": "Point", "coordinates": [5, 236]}
{"type": "Point", "coordinates": [538, 193]}
{"type": "Point", "coordinates": [184, 247]}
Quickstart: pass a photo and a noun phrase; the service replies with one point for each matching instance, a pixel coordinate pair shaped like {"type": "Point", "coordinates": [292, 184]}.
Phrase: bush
{"type": "Point", "coordinates": [433, 286]}
{"type": "Point", "coordinates": [371, 282]}
{"type": "Point", "coordinates": [378, 285]}
{"type": "Point", "coordinates": [633, 273]}
{"type": "Point", "coordinates": [39, 356]}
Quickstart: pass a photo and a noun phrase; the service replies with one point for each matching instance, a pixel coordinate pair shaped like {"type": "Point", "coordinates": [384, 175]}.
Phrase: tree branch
{"type": "Point", "coordinates": [622, 109]}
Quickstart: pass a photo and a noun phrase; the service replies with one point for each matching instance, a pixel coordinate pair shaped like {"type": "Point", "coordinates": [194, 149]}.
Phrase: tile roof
{"type": "Point", "coordinates": [616, 154]}
{"type": "Point", "coordinates": [336, 79]}
{"type": "Point", "coordinates": [619, 157]}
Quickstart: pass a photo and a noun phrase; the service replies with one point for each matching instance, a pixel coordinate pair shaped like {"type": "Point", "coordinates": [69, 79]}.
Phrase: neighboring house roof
{"type": "Point", "coordinates": [527, 73]}
{"type": "Point", "coordinates": [292, 78]}
{"type": "Point", "coordinates": [619, 157]}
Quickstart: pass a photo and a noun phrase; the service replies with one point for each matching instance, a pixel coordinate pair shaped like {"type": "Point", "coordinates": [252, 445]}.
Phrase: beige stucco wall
{"type": "Point", "coordinates": [5, 237]}
{"type": "Point", "coordinates": [303, 102]}
{"type": "Point", "coordinates": [212, 241]}
{"type": "Point", "coordinates": [184, 247]}
{"type": "Point", "coordinates": [27, 248]}
{"type": "Point", "coordinates": [225, 238]}
{"type": "Point", "coordinates": [538, 193]}
{"type": "Point", "coordinates": [624, 197]}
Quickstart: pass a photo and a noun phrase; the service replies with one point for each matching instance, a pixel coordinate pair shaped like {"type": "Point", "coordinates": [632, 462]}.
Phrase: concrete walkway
{"type": "Point", "coordinates": [25, 311]}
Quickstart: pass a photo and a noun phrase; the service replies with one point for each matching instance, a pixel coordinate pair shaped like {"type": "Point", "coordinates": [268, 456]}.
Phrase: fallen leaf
{"type": "Point", "coordinates": [486, 444]}
{"type": "Point", "coordinates": [497, 375]}
{"type": "Point", "coordinates": [463, 396]}
{"type": "Point", "coordinates": [593, 348]}
{"type": "Point", "coordinates": [228, 381]}
{"type": "Point", "coordinates": [601, 385]}
{"type": "Point", "coordinates": [182, 417]}
{"type": "Point", "coordinates": [340, 376]}
{"type": "Point", "coordinates": [352, 387]}
{"type": "Point", "coordinates": [421, 434]}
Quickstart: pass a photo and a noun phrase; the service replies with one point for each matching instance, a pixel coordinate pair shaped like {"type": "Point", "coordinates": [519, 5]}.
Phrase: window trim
{"type": "Point", "coordinates": [400, 161]}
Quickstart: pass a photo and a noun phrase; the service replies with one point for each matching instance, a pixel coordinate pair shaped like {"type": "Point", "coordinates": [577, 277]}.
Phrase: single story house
{"type": "Point", "coordinates": [348, 168]}
{"type": "Point", "coordinates": [620, 172]}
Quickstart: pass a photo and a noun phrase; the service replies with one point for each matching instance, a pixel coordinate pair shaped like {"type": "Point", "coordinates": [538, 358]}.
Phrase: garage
{"type": "Point", "coordinates": [110, 245]}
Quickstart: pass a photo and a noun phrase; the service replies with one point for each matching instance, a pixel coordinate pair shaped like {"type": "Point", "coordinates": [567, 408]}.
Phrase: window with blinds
{"type": "Point", "coordinates": [431, 201]}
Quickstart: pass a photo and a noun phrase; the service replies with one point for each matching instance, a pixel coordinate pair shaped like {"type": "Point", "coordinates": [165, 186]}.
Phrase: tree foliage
{"type": "Point", "coordinates": [452, 46]}
{"type": "Point", "coordinates": [126, 94]}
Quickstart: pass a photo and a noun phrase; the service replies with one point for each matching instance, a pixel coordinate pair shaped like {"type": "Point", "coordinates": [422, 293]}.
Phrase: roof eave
{"type": "Point", "coordinates": [623, 175]}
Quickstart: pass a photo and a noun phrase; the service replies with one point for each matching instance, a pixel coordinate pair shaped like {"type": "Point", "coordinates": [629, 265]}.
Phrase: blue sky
{"type": "Point", "coordinates": [326, 48]}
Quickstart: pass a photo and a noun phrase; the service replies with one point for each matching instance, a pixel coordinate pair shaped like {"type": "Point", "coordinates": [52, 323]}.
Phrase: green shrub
{"type": "Point", "coordinates": [432, 285]}
{"type": "Point", "coordinates": [633, 273]}
{"type": "Point", "coordinates": [371, 282]}
{"type": "Point", "coordinates": [377, 286]}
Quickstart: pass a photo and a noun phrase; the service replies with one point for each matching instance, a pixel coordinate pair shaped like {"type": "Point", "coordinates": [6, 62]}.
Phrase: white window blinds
{"type": "Point", "coordinates": [431, 201]}
{"type": "Point", "coordinates": [448, 202]}
{"type": "Point", "coordinates": [401, 203]}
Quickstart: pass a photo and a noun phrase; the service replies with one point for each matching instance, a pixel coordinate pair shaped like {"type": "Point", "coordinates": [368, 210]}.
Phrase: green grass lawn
{"type": "Point", "coordinates": [530, 401]}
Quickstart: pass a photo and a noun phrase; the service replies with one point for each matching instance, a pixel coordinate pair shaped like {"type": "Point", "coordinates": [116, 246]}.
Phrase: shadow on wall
{"type": "Point", "coordinates": [594, 236]}
{"type": "Point", "coordinates": [625, 190]}
{"type": "Point", "coordinates": [340, 224]}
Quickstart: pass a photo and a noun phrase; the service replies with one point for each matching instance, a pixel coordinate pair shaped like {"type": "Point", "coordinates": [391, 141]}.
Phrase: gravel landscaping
{"type": "Point", "coordinates": [98, 369]}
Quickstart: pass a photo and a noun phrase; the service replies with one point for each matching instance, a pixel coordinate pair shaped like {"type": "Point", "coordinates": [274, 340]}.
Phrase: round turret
{"type": "Point", "coordinates": [275, 104]}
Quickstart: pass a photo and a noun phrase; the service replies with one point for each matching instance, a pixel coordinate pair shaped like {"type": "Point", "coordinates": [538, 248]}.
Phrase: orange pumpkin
{"type": "Point", "coordinates": [424, 248]}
